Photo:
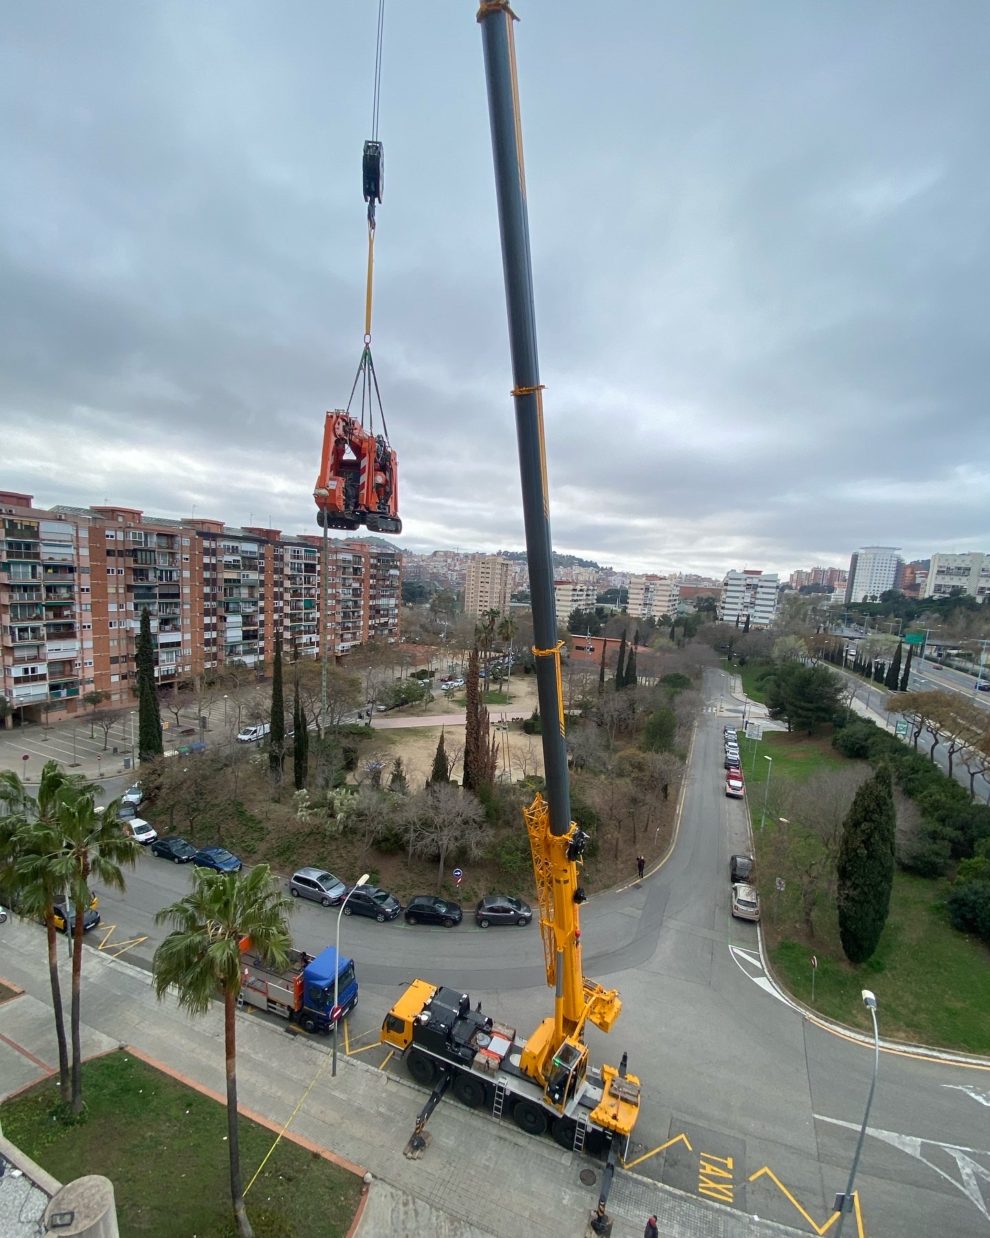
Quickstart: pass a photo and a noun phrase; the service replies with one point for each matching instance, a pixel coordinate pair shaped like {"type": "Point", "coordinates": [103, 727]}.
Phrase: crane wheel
{"type": "Point", "coordinates": [530, 1118]}
{"type": "Point", "coordinates": [564, 1130]}
{"type": "Point", "coordinates": [421, 1068]}
{"type": "Point", "coordinates": [469, 1091]}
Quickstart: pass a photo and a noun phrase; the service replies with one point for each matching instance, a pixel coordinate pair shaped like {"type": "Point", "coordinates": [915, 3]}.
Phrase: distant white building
{"type": "Point", "coordinates": [652, 597]}
{"type": "Point", "coordinates": [750, 593]}
{"type": "Point", "coordinates": [872, 571]}
{"type": "Point", "coordinates": [969, 572]}
{"type": "Point", "coordinates": [571, 595]}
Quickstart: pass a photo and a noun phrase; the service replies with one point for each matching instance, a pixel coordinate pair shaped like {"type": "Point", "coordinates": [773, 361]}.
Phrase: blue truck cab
{"type": "Point", "coordinates": [318, 985]}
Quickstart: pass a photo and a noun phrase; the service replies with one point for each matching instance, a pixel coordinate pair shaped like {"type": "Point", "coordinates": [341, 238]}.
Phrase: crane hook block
{"type": "Point", "coordinates": [373, 167]}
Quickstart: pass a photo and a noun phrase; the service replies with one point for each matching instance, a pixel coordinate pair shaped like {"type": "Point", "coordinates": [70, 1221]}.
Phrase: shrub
{"type": "Point", "coordinates": [930, 858]}
{"type": "Point", "coordinates": [533, 725]}
{"type": "Point", "coordinates": [969, 908]}
{"type": "Point", "coordinates": [660, 731]}
{"type": "Point", "coordinates": [854, 740]}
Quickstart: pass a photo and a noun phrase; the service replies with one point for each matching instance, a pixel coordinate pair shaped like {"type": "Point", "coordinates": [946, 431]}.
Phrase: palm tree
{"type": "Point", "coordinates": [29, 848]}
{"type": "Point", "coordinates": [202, 954]}
{"type": "Point", "coordinates": [92, 844]}
{"type": "Point", "coordinates": [506, 631]}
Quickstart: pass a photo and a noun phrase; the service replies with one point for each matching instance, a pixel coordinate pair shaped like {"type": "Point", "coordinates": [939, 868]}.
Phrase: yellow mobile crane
{"type": "Point", "coordinates": [545, 1081]}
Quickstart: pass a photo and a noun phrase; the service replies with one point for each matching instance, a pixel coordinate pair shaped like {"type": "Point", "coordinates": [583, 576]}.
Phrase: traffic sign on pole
{"type": "Point", "coordinates": [335, 1013]}
{"type": "Point", "coordinates": [458, 873]}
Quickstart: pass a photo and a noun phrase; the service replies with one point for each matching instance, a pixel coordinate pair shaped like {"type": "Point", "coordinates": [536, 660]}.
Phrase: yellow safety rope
{"type": "Point", "coordinates": [555, 654]}
{"type": "Point", "coordinates": [278, 1138]}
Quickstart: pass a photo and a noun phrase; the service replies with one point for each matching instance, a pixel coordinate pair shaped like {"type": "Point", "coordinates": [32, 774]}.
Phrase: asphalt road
{"type": "Point", "coordinates": [744, 1101]}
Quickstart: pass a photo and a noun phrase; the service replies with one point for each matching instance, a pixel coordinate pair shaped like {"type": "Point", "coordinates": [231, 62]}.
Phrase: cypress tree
{"type": "Point", "coordinates": [746, 625]}
{"type": "Point", "coordinates": [865, 867]}
{"type": "Point", "coordinates": [149, 717]}
{"type": "Point", "coordinates": [441, 765]}
{"type": "Point", "coordinates": [620, 666]}
{"type": "Point", "coordinates": [893, 676]}
{"type": "Point", "coordinates": [299, 741]}
{"type": "Point", "coordinates": [601, 668]}
{"type": "Point", "coordinates": [906, 677]}
{"type": "Point", "coordinates": [630, 680]}
{"type": "Point", "coordinates": [276, 736]}
{"type": "Point", "coordinates": [480, 752]}
{"type": "Point", "coordinates": [397, 782]}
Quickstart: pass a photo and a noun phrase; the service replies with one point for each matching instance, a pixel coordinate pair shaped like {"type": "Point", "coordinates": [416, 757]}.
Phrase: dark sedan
{"type": "Point", "coordinates": [741, 868]}
{"type": "Point", "coordinates": [370, 901]}
{"type": "Point", "coordinates": [175, 849]}
{"type": "Point", "coordinates": [220, 860]}
{"type": "Point", "coordinates": [428, 909]}
{"type": "Point", "coordinates": [502, 909]}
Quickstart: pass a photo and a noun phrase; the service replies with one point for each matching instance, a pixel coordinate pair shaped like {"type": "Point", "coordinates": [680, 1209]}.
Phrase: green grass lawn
{"type": "Point", "coordinates": [164, 1148]}
{"type": "Point", "coordinates": [751, 675]}
{"type": "Point", "coordinates": [932, 982]}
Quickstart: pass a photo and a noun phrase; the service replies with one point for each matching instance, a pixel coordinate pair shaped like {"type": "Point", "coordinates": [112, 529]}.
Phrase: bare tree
{"type": "Point", "coordinates": [817, 807]}
{"type": "Point", "coordinates": [367, 816]}
{"type": "Point", "coordinates": [106, 720]}
{"type": "Point", "coordinates": [444, 818]}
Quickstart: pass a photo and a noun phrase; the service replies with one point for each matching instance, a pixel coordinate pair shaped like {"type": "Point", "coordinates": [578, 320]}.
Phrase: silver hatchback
{"type": "Point", "coordinates": [318, 885]}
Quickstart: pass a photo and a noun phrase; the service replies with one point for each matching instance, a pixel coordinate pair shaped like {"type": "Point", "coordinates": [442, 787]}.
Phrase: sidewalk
{"type": "Point", "coordinates": [476, 1179]}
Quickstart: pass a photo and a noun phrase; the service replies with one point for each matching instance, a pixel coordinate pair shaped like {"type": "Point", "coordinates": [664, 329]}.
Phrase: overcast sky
{"type": "Point", "coordinates": [760, 245]}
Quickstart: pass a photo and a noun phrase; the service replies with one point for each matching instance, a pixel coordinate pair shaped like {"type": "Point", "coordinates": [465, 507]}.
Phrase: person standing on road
{"type": "Point", "coordinates": [651, 1228]}
{"type": "Point", "coordinates": [641, 865]}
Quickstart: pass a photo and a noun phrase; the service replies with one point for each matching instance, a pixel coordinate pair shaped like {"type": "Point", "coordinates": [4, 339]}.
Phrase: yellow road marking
{"type": "Point", "coordinates": [391, 1054]}
{"type": "Point", "coordinates": [118, 947]}
{"type": "Point", "coordinates": [376, 1044]}
{"type": "Point", "coordinates": [819, 1229]}
{"type": "Point", "coordinates": [646, 1155]}
{"type": "Point", "coordinates": [711, 1168]}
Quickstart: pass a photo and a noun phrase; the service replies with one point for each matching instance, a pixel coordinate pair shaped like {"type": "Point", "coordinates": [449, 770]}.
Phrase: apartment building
{"type": "Point", "coordinates": [969, 572]}
{"type": "Point", "coordinates": [830, 577]}
{"type": "Point", "coordinates": [487, 585]}
{"type": "Point", "coordinates": [571, 595]}
{"type": "Point", "coordinates": [652, 597]}
{"type": "Point", "coordinates": [75, 581]}
{"type": "Point", "coordinates": [751, 594]}
{"type": "Point", "coordinates": [872, 571]}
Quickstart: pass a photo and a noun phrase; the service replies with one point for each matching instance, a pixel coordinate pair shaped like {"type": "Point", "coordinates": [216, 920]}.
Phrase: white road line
{"type": "Point", "coordinates": [970, 1171]}
{"type": "Point", "coordinates": [981, 1098]}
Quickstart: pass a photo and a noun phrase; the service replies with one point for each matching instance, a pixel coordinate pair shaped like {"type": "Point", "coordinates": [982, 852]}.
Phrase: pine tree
{"type": "Point", "coordinates": [441, 765]}
{"type": "Point", "coordinates": [865, 867]}
{"type": "Point", "coordinates": [893, 676]}
{"type": "Point", "coordinates": [906, 677]}
{"type": "Point", "coordinates": [149, 718]}
{"type": "Point", "coordinates": [398, 782]}
{"type": "Point", "coordinates": [276, 736]}
{"type": "Point", "coordinates": [620, 666]}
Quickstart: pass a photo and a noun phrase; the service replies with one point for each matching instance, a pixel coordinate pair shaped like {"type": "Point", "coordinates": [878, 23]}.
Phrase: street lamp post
{"type": "Point", "coordinates": [844, 1202]}
{"type": "Point", "coordinates": [336, 976]}
{"type": "Point", "coordinates": [225, 711]}
{"type": "Point", "coordinates": [132, 739]}
{"type": "Point", "coordinates": [766, 793]}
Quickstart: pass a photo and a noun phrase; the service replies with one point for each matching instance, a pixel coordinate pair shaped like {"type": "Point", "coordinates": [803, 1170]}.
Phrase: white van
{"type": "Point", "coordinates": [251, 734]}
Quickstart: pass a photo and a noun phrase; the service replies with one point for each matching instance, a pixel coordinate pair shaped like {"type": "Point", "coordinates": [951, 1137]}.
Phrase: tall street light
{"type": "Point", "coordinates": [336, 975]}
{"type": "Point", "coordinates": [225, 711]}
{"type": "Point", "coordinates": [844, 1202]}
{"type": "Point", "coordinates": [766, 793]}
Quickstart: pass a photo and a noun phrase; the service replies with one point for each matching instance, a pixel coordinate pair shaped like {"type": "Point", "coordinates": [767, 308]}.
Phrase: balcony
{"type": "Point", "coordinates": [23, 694]}
{"type": "Point", "coordinates": [24, 636]}
{"type": "Point", "coordinates": [58, 610]}
{"type": "Point", "coordinates": [63, 692]}
{"type": "Point", "coordinates": [22, 612]}
{"type": "Point", "coordinates": [59, 630]}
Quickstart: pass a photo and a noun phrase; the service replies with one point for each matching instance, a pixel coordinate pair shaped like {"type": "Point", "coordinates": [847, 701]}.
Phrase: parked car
{"type": "Point", "coordinates": [64, 915]}
{"type": "Point", "coordinates": [3, 915]}
{"type": "Point", "coordinates": [502, 909]}
{"type": "Point", "coordinates": [140, 830]}
{"type": "Point", "coordinates": [370, 901]}
{"type": "Point", "coordinates": [984, 686]}
{"type": "Point", "coordinates": [732, 762]}
{"type": "Point", "coordinates": [175, 849]}
{"type": "Point", "coordinates": [735, 788]}
{"type": "Point", "coordinates": [428, 909]}
{"type": "Point", "coordinates": [133, 795]}
{"type": "Point", "coordinates": [318, 885]}
{"type": "Point", "coordinates": [745, 902]}
{"type": "Point", "coordinates": [217, 858]}
{"type": "Point", "coordinates": [252, 734]}
{"type": "Point", "coordinates": [126, 811]}
{"type": "Point", "coordinates": [741, 868]}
